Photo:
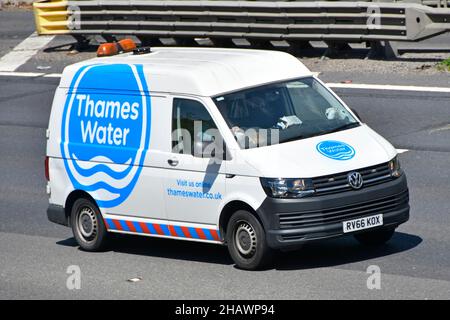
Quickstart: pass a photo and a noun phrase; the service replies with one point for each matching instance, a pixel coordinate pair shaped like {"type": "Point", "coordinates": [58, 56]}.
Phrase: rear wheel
{"type": "Point", "coordinates": [376, 237]}
{"type": "Point", "coordinates": [87, 225]}
{"type": "Point", "coordinates": [246, 241]}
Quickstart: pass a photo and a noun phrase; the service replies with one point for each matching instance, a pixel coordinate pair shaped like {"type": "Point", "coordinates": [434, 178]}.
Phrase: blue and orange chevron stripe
{"type": "Point", "coordinates": [168, 230]}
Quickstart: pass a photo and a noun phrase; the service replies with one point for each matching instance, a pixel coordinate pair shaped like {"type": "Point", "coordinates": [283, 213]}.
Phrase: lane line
{"type": "Point", "coordinates": [23, 52]}
{"type": "Point", "coordinates": [387, 87]}
{"type": "Point", "coordinates": [52, 75]}
{"type": "Point", "coordinates": [331, 85]}
{"type": "Point", "coordinates": [21, 74]}
{"type": "Point", "coordinates": [400, 151]}
{"type": "Point", "coordinates": [29, 74]}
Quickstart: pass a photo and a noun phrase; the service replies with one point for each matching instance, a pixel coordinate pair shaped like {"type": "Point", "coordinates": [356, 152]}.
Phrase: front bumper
{"type": "Point", "coordinates": [292, 222]}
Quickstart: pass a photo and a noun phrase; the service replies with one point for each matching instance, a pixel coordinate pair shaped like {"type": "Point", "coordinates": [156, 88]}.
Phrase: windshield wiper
{"type": "Point", "coordinates": [344, 127]}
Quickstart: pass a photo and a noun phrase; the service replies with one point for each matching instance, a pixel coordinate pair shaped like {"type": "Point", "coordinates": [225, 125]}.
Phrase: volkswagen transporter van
{"type": "Point", "coordinates": [243, 148]}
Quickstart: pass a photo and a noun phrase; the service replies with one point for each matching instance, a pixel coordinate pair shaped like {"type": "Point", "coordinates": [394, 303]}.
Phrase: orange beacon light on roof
{"type": "Point", "coordinates": [113, 48]}
{"type": "Point", "coordinates": [107, 49]}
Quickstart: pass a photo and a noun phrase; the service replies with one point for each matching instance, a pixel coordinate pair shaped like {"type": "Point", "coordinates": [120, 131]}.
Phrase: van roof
{"type": "Point", "coordinates": [204, 71]}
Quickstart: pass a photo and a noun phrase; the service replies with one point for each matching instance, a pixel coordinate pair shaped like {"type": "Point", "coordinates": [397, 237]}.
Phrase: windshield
{"type": "Point", "coordinates": [282, 112]}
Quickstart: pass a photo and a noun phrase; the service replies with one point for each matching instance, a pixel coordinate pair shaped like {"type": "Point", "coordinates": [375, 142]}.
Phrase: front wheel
{"type": "Point", "coordinates": [246, 241]}
{"type": "Point", "coordinates": [376, 237]}
{"type": "Point", "coordinates": [87, 225]}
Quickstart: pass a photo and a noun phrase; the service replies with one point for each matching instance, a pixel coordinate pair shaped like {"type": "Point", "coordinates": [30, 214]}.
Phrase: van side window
{"type": "Point", "coordinates": [191, 124]}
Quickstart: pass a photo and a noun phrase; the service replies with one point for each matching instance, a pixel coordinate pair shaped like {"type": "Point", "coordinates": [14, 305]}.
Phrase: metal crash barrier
{"type": "Point", "coordinates": [259, 22]}
{"type": "Point", "coordinates": [51, 17]}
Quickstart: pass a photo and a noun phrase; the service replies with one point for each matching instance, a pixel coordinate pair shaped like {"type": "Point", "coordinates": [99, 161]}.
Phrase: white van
{"type": "Point", "coordinates": [244, 148]}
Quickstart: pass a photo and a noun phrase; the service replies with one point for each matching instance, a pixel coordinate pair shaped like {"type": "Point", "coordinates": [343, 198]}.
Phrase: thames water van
{"type": "Point", "coordinates": [243, 148]}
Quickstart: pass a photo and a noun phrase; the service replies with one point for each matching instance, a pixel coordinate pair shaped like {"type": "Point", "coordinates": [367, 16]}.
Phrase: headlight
{"type": "Point", "coordinates": [287, 188]}
{"type": "Point", "coordinates": [395, 168]}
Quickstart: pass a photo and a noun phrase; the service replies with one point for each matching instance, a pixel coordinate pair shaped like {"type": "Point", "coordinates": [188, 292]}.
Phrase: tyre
{"type": "Point", "coordinates": [246, 241]}
{"type": "Point", "coordinates": [376, 237]}
{"type": "Point", "coordinates": [87, 225]}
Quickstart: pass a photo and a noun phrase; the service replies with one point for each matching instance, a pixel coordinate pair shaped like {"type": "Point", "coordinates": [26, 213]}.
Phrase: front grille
{"type": "Point", "coordinates": [340, 214]}
{"type": "Point", "coordinates": [338, 182]}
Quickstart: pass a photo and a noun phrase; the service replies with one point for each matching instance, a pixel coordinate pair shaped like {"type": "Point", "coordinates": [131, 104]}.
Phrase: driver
{"type": "Point", "coordinates": [254, 107]}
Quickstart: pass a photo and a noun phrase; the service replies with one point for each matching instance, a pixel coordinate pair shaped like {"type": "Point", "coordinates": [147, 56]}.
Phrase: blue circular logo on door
{"type": "Point", "coordinates": [336, 150]}
{"type": "Point", "coordinates": [106, 130]}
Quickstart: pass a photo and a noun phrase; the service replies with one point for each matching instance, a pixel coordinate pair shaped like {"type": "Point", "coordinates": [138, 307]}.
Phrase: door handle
{"type": "Point", "coordinates": [173, 162]}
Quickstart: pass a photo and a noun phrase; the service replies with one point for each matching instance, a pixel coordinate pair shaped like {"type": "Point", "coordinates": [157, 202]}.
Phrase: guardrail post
{"type": "Point", "coordinates": [186, 42]}
{"type": "Point", "coordinates": [150, 41]}
{"type": "Point", "coordinates": [261, 44]}
{"type": "Point", "coordinates": [335, 48]}
{"type": "Point", "coordinates": [82, 42]}
{"type": "Point", "coordinates": [223, 42]}
{"type": "Point", "coordinates": [382, 49]}
{"type": "Point", "coordinates": [109, 38]}
{"type": "Point", "coordinates": [296, 47]}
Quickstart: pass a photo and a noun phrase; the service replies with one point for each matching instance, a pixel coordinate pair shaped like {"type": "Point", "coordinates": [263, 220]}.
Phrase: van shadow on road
{"type": "Point", "coordinates": [327, 253]}
{"type": "Point", "coordinates": [336, 252]}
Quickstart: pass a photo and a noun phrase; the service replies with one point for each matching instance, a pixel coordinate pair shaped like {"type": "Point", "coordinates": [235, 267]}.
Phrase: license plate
{"type": "Point", "coordinates": [363, 223]}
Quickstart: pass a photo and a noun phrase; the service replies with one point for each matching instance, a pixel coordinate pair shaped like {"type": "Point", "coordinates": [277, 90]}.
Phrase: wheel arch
{"type": "Point", "coordinates": [230, 208]}
{"type": "Point", "coordinates": [74, 196]}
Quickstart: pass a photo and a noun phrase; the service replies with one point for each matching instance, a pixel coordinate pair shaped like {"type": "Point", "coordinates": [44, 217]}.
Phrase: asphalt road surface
{"type": "Point", "coordinates": [35, 254]}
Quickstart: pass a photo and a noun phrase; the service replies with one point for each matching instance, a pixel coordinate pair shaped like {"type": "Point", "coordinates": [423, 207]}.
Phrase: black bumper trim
{"type": "Point", "coordinates": [57, 214]}
{"type": "Point", "coordinates": [278, 237]}
{"type": "Point", "coordinates": [287, 238]}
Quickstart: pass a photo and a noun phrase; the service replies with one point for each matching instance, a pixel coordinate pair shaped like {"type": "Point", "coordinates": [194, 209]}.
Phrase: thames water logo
{"type": "Point", "coordinates": [336, 150]}
{"type": "Point", "coordinates": [106, 130]}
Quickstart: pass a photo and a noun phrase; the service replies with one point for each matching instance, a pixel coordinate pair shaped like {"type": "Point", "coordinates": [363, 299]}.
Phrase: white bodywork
{"type": "Point", "coordinates": [200, 74]}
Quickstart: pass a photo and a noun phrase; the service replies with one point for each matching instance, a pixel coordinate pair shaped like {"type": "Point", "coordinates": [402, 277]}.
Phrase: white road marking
{"type": "Point", "coordinates": [30, 74]}
{"type": "Point", "coordinates": [331, 85]}
{"type": "Point", "coordinates": [23, 52]}
{"type": "Point", "coordinates": [52, 75]}
{"type": "Point", "coordinates": [21, 74]}
{"type": "Point", "coordinates": [400, 151]}
{"type": "Point", "coordinates": [388, 87]}
{"type": "Point", "coordinates": [443, 128]}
